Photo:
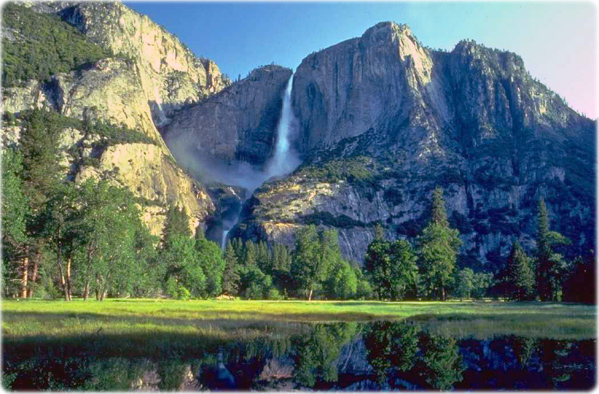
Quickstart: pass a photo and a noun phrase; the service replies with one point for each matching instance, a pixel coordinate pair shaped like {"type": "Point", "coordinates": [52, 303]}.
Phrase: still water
{"type": "Point", "coordinates": [288, 356]}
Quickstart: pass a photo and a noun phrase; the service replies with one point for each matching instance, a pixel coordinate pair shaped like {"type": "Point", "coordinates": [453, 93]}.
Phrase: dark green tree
{"type": "Point", "coordinates": [316, 254]}
{"type": "Point", "coordinates": [439, 247]}
{"type": "Point", "coordinates": [15, 209]}
{"type": "Point", "coordinates": [391, 268]}
{"type": "Point", "coordinates": [481, 282]}
{"type": "Point", "coordinates": [250, 254]}
{"type": "Point", "coordinates": [377, 265]}
{"type": "Point", "coordinates": [184, 276]}
{"type": "Point", "coordinates": [231, 276]}
{"type": "Point", "coordinates": [551, 266]}
{"type": "Point", "coordinates": [520, 275]}
{"type": "Point", "coordinates": [464, 283]}
{"type": "Point", "coordinates": [42, 174]}
{"type": "Point", "coordinates": [209, 257]}
{"type": "Point", "coordinates": [442, 362]}
{"type": "Point", "coordinates": [391, 344]}
{"type": "Point", "coordinates": [404, 270]}
{"type": "Point", "coordinates": [177, 223]}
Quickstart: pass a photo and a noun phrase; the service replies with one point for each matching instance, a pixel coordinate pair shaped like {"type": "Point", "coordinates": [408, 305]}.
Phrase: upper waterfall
{"type": "Point", "coordinates": [285, 160]}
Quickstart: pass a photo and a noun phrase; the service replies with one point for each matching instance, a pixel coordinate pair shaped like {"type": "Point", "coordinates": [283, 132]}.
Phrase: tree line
{"type": "Point", "coordinates": [399, 271]}
{"type": "Point", "coordinates": [63, 238]}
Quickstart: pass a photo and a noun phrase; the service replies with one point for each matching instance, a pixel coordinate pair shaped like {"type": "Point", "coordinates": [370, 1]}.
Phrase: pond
{"type": "Point", "coordinates": [381, 355]}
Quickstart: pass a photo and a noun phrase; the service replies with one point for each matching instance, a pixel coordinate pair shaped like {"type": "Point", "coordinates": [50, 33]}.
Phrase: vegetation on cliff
{"type": "Point", "coordinates": [37, 46]}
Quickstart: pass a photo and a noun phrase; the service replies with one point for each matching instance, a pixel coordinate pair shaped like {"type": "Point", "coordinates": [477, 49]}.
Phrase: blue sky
{"type": "Point", "coordinates": [556, 40]}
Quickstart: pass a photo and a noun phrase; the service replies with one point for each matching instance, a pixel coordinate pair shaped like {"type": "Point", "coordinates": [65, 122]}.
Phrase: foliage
{"type": "Point", "coordinates": [439, 247]}
{"type": "Point", "coordinates": [520, 275]}
{"type": "Point", "coordinates": [443, 362]}
{"type": "Point", "coordinates": [343, 282]}
{"type": "Point", "coordinates": [15, 209]}
{"type": "Point", "coordinates": [354, 169]}
{"type": "Point", "coordinates": [209, 257]}
{"type": "Point", "coordinates": [464, 283]}
{"type": "Point", "coordinates": [551, 266]}
{"type": "Point", "coordinates": [41, 45]}
{"type": "Point", "coordinates": [231, 276]}
{"type": "Point", "coordinates": [315, 254]}
{"type": "Point", "coordinates": [390, 344]}
{"type": "Point", "coordinates": [391, 268]}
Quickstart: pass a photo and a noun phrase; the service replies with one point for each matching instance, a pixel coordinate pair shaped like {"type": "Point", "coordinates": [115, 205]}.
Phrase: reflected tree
{"type": "Point", "coordinates": [391, 344]}
{"type": "Point", "coordinates": [442, 362]}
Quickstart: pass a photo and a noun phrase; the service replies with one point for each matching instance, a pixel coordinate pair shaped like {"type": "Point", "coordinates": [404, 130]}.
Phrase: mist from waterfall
{"type": "Point", "coordinates": [285, 158]}
{"type": "Point", "coordinates": [236, 173]}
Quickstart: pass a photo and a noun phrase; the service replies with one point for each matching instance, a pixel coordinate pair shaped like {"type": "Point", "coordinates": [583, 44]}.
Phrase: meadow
{"type": "Point", "coordinates": [37, 318]}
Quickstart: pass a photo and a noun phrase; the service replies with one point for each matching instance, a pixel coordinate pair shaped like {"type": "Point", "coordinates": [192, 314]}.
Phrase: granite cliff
{"type": "Point", "coordinates": [237, 124]}
{"type": "Point", "coordinates": [383, 120]}
{"type": "Point", "coordinates": [148, 75]}
{"type": "Point", "coordinates": [379, 121]}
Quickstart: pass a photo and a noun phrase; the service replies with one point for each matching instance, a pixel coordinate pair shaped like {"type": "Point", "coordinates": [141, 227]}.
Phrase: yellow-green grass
{"type": "Point", "coordinates": [230, 319]}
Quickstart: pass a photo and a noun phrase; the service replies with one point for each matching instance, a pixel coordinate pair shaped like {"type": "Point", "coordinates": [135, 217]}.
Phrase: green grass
{"type": "Point", "coordinates": [222, 319]}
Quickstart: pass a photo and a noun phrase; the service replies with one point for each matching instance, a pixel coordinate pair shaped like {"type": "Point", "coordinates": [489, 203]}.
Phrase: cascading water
{"type": "Point", "coordinates": [283, 162]}
{"type": "Point", "coordinates": [285, 159]}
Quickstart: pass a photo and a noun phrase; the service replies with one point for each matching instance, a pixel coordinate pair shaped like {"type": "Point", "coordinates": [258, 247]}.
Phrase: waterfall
{"type": "Point", "coordinates": [224, 241]}
{"type": "Point", "coordinates": [285, 159]}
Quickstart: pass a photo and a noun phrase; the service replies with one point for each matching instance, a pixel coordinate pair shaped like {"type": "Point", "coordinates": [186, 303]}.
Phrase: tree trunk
{"type": "Point", "coordinates": [24, 273]}
{"type": "Point", "coordinates": [442, 293]}
{"type": "Point", "coordinates": [33, 280]}
{"type": "Point", "coordinates": [69, 290]}
{"type": "Point", "coordinates": [86, 291]}
{"type": "Point", "coordinates": [310, 295]}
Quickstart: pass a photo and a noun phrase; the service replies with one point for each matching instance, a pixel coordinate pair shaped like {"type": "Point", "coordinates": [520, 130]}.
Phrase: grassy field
{"type": "Point", "coordinates": [222, 319]}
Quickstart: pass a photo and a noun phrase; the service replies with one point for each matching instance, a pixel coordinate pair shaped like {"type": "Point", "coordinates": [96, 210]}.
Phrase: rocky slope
{"type": "Point", "coordinates": [383, 120]}
{"type": "Point", "coordinates": [149, 75]}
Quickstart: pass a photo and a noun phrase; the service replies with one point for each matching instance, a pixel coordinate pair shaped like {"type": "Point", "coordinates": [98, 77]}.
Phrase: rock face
{"type": "Point", "coordinates": [238, 123]}
{"type": "Point", "coordinates": [169, 73]}
{"type": "Point", "coordinates": [384, 120]}
{"type": "Point", "coordinates": [149, 76]}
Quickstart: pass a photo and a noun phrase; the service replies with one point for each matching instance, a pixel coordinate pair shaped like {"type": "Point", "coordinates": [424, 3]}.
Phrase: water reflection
{"type": "Point", "coordinates": [340, 356]}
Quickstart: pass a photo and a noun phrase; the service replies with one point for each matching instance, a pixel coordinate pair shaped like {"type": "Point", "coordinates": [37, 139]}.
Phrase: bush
{"type": "Point", "coordinates": [274, 294]}
{"type": "Point", "coordinates": [184, 294]}
{"type": "Point", "coordinates": [364, 290]}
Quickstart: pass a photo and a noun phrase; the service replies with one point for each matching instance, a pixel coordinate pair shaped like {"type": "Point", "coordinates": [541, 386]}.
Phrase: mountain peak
{"type": "Point", "coordinates": [387, 31]}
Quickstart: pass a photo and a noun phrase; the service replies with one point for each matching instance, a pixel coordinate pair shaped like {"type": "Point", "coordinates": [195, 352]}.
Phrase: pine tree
{"type": "Point", "coordinates": [520, 274]}
{"type": "Point", "coordinates": [439, 249]}
{"type": "Point", "coordinates": [543, 252]}
{"type": "Point", "coordinates": [377, 265]}
{"type": "Point", "coordinates": [15, 209]}
{"type": "Point", "coordinates": [551, 266]}
{"type": "Point", "coordinates": [404, 270]}
{"type": "Point", "coordinates": [231, 276]}
{"type": "Point", "coordinates": [177, 224]}
{"type": "Point", "coordinates": [264, 258]}
{"type": "Point", "coordinates": [250, 254]}
{"type": "Point", "coordinates": [42, 175]}
{"type": "Point", "coordinates": [209, 257]}
{"type": "Point", "coordinates": [313, 259]}
{"type": "Point", "coordinates": [439, 214]}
